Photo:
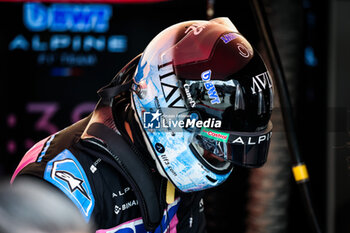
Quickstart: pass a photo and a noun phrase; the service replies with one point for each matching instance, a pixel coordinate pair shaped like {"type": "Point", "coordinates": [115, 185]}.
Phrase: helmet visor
{"type": "Point", "coordinates": [243, 102]}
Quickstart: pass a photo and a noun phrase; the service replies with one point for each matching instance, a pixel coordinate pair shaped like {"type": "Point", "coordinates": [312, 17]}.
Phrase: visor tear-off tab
{"type": "Point", "coordinates": [300, 173]}
{"type": "Point", "coordinates": [170, 193]}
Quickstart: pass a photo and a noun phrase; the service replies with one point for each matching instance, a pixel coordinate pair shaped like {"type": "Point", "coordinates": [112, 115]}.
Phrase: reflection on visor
{"type": "Point", "coordinates": [223, 94]}
{"type": "Point", "coordinates": [243, 101]}
{"type": "Point", "coordinates": [236, 111]}
{"type": "Point", "coordinates": [247, 149]}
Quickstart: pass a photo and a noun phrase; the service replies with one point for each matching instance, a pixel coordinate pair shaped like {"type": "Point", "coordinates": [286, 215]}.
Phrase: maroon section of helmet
{"type": "Point", "coordinates": [210, 46]}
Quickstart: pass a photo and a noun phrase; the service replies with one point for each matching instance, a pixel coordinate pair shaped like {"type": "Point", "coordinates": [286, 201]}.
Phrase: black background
{"type": "Point", "coordinates": [25, 82]}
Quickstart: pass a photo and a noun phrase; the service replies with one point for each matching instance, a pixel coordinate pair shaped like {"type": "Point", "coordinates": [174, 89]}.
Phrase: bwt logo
{"type": "Point", "coordinates": [67, 17]}
{"type": "Point", "coordinates": [151, 120]}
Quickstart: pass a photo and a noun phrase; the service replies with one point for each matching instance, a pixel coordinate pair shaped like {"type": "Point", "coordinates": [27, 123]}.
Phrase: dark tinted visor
{"type": "Point", "coordinates": [243, 102]}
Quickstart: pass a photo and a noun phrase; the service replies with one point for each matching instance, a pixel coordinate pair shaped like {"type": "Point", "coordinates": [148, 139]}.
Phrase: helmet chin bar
{"type": "Point", "coordinates": [223, 167]}
{"type": "Point", "coordinates": [204, 178]}
{"type": "Point", "coordinates": [148, 144]}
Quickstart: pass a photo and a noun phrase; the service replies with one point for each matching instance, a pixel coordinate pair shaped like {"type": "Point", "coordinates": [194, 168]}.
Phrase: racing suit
{"type": "Point", "coordinates": [85, 161]}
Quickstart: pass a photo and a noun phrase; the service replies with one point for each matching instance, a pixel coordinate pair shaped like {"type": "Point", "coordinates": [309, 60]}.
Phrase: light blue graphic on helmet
{"type": "Point", "coordinates": [65, 172]}
{"type": "Point", "coordinates": [162, 95]}
{"type": "Point", "coordinates": [181, 166]}
{"type": "Point", "coordinates": [140, 73]}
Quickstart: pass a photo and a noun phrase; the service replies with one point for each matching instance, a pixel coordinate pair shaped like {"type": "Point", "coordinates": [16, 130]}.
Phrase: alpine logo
{"type": "Point", "coordinates": [246, 140]}
{"type": "Point", "coordinates": [121, 192]}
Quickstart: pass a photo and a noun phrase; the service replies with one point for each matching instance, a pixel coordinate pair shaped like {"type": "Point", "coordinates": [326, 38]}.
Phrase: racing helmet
{"type": "Point", "coordinates": [203, 98]}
